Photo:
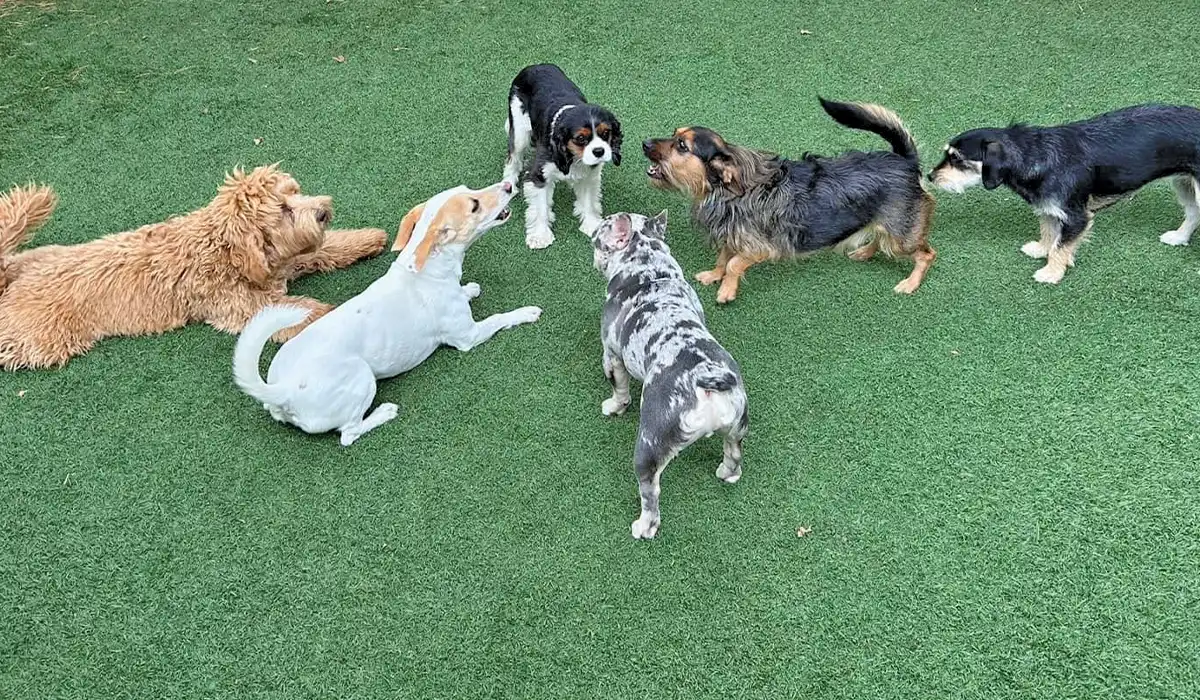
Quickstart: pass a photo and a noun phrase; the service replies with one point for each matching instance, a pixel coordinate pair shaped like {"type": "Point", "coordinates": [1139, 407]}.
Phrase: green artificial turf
{"type": "Point", "coordinates": [1000, 477]}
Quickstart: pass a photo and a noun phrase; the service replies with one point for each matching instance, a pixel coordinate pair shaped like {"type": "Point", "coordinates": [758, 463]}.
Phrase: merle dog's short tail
{"type": "Point", "coordinates": [876, 119]}
{"type": "Point", "coordinates": [717, 379]}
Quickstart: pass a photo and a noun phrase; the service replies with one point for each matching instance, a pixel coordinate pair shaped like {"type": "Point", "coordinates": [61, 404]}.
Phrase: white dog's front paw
{"type": "Point", "coordinates": [1034, 249]}
{"type": "Point", "coordinates": [1176, 237]}
{"type": "Point", "coordinates": [539, 238]}
{"type": "Point", "coordinates": [613, 407]}
{"type": "Point", "coordinates": [644, 528]}
{"type": "Point", "coordinates": [385, 412]}
{"type": "Point", "coordinates": [471, 289]}
{"type": "Point", "coordinates": [525, 314]}
{"type": "Point", "coordinates": [589, 224]}
{"type": "Point", "coordinates": [1049, 275]}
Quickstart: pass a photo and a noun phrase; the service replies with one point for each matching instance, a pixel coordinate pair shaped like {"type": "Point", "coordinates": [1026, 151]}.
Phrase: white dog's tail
{"type": "Point", "coordinates": [246, 354]}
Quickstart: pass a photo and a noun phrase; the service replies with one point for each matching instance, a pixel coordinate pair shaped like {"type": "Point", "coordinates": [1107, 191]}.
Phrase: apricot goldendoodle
{"type": "Point", "coordinates": [218, 265]}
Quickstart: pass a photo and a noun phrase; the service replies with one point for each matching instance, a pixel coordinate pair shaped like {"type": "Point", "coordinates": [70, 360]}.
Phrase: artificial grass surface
{"type": "Point", "coordinates": [1000, 477]}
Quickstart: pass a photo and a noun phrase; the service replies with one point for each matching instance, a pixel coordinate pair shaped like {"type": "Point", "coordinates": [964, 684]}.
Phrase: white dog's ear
{"type": "Point", "coordinates": [406, 226]}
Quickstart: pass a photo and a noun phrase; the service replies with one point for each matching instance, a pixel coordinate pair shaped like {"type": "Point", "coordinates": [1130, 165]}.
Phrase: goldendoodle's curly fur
{"type": "Point", "coordinates": [218, 265]}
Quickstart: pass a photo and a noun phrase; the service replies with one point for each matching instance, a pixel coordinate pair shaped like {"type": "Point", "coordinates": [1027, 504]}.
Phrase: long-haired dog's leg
{"type": "Point", "coordinates": [718, 272]}
{"type": "Point", "coordinates": [539, 199]}
{"type": "Point", "coordinates": [737, 267]}
{"type": "Point", "coordinates": [1049, 230]}
{"type": "Point", "coordinates": [587, 200]}
{"type": "Point", "coordinates": [519, 131]}
{"type": "Point", "coordinates": [1187, 189]}
{"type": "Point", "coordinates": [922, 253]}
{"type": "Point", "coordinates": [1073, 232]}
{"type": "Point", "coordinates": [341, 249]}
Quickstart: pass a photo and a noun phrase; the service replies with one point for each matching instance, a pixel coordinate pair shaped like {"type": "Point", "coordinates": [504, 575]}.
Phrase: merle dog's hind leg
{"type": "Point", "coordinates": [615, 370]}
{"type": "Point", "coordinates": [1187, 189]}
{"type": "Point", "coordinates": [731, 465]}
{"type": "Point", "coordinates": [650, 463]}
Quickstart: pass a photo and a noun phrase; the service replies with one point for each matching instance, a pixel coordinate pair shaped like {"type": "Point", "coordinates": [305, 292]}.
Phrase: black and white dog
{"type": "Point", "coordinates": [653, 330]}
{"type": "Point", "coordinates": [572, 141]}
{"type": "Point", "coordinates": [1070, 172]}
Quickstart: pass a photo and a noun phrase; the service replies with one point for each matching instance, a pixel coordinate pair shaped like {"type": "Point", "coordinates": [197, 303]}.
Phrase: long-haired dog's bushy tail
{"type": "Point", "coordinates": [23, 209]}
{"type": "Point", "coordinates": [876, 119]}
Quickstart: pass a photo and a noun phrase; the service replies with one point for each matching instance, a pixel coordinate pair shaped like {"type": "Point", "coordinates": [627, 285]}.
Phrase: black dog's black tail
{"type": "Point", "coordinates": [876, 119]}
{"type": "Point", "coordinates": [718, 379]}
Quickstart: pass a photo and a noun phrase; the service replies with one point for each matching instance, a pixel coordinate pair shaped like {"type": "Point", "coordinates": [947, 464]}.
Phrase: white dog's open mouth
{"type": "Point", "coordinates": [504, 214]}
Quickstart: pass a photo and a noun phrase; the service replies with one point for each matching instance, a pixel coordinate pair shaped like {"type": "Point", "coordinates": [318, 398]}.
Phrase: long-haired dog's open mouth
{"type": "Point", "coordinates": [654, 172]}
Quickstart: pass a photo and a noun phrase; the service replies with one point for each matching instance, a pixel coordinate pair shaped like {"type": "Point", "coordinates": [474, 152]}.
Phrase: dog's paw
{"type": "Point", "coordinates": [613, 407]}
{"type": "Point", "coordinates": [588, 225]}
{"type": "Point", "coordinates": [644, 528]}
{"type": "Point", "coordinates": [1176, 237]}
{"type": "Point", "coordinates": [540, 238]}
{"type": "Point", "coordinates": [709, 277]}
{"type": "Point", "coordinates": [525, 314]}
{"type": "Point", "coordinates": [384, 412]}
{"type": "Point", "coordinates": [862, 254]}
{"type": "Point", "coordinates": [471, 289]}
{"type": "Point", "coordinates": [726, 294]}
{"type": "Point", "coordinates": [1034, 249]}
{"type": "Point", "coordinates": [728, 474]}
{"type": "Point", "coordinates": [906, 286]}
{"type": "Point", "coordinates": [1049, 275]}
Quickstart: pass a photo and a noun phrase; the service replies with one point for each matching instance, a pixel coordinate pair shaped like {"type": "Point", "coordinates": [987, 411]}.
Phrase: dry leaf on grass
{"type": "Point", "coordinates": [259, 141]}
{"type": "Point", "coordinates": [805, 32]}
{"type": "Point", "coordinates": [21, 394]}
{"type": "Point", "coordinates": [252, 60]}
{"type": "Point", "coordinates": [802, 531]}
{"type": "Point", "coordinates": [339, 59]}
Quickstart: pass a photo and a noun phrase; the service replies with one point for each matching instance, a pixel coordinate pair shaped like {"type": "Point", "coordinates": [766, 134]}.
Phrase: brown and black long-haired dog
{"type": "Point", "coordinates": [218, 265]}
{"type": "Point", "coordinates": [760, 206]}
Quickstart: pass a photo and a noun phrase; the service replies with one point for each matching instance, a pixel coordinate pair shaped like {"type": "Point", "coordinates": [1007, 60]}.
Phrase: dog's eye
{"type": "Point", "coordinates": [681, 145]}
{"type": "Point", "coordinates": [287, 211]}
{"type": "Point", "coordinates": [474, 205]}
{"type": "Point", "coordinates": [581, 140]}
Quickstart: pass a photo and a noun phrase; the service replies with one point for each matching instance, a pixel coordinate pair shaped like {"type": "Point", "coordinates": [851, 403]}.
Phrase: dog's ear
{"type": "Point", "coordinates": [406, 226]}
{"type": "Point", "coordinates": [995, 165]}
{"type": "Point", "coordinates": [432, 237]}
{"type": "Point", "coordinates": [562, 155]}
{"type": "Point", "coordinates": [657, 226]}
{"type": "Point", "coordinates": [618, 234]}
{"type": "Point", "coordinates": [615, 141]}
{"type": "Point", "coordinates": [724, 172]}
{"type": "Point", "coordinates": [241, 201]}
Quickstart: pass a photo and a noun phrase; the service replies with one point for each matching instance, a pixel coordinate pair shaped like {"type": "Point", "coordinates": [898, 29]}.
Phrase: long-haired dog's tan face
{"type": "Point", "coordinates": [461, 219]}
{"type": "Point", "coordinates": [268, 222]}
{"type": "Point", "coordinates": [692, 161]}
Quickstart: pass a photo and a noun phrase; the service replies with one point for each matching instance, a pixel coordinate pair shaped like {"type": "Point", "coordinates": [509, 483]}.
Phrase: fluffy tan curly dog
{"type": "Point", "coordinates": [218, 265]}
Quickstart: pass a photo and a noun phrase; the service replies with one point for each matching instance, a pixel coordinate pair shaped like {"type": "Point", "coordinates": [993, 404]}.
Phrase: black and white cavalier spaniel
{"type": "Point", "coordinates": [572, 140]}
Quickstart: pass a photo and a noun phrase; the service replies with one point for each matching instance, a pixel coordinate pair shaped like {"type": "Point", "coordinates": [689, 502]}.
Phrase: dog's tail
{"type": "Point", "coordinates": [717, 378]}
{"type": "Point", "coordinates": [249, 349]}
{"type": "Point", "coordinates": [22, 210]}
{"type": "Point", "coordinates": [876, 119]}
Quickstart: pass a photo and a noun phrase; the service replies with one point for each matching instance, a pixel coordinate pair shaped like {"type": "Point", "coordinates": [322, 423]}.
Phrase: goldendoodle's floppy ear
{"type": "Point", "coordinates": [241, 202]}
{"type": "Point", "coordinates": [407, 225]}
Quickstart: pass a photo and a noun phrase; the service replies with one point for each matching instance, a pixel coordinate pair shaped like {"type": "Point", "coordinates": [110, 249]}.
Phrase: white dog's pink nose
{"type": "Point", "coordinates": [506, 186]}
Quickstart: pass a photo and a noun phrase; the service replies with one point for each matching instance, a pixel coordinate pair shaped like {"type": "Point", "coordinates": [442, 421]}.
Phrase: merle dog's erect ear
{"type": "Point", "coordinates": [657, 226]}
{"type": "Point", "coordinates": [995, 165]}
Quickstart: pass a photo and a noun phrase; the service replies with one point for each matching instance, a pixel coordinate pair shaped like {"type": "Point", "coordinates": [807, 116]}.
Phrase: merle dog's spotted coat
{"type": "Point", "coordinates": [653, 330]}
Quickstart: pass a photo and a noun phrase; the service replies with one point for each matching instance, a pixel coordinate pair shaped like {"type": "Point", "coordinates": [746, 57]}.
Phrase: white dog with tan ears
{"type": "Point", "coordinates": [324, 378]}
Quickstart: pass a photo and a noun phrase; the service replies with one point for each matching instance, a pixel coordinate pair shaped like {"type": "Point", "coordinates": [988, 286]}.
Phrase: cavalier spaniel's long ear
{"type": "Point", "coordinates": [241, 201]}
{"type": "Point", "coordinates": [615, 141]}
{"type": "Point", "coordinates": [406, 226]}
{"type": "Point", "coordinates": [560, 139]}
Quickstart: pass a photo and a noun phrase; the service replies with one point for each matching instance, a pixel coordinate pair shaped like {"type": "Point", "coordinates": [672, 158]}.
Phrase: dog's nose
{"type": "Point", "coordinates": [323, 215]}
{"type": "Point", "coordinates": [598, 151]}
{"type": "Point", "coordinates": [647, 146]}
{"type": "Point", "coordinates": [506, 186]}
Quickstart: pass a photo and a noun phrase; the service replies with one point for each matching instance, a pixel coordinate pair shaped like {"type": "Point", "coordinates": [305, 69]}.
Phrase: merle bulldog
{"type": "Point", "coordinates": [653, 330]}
